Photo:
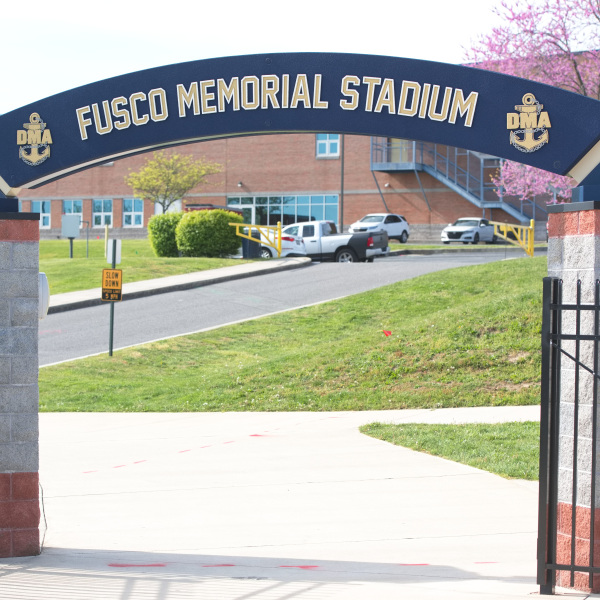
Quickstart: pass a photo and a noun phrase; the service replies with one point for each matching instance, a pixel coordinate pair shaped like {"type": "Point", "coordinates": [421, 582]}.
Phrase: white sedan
{"type": "Point", "coordinates": [291, 245]}
{"type": "Point", "coordinates": [395, 225]}
{"type": "Point", "coordinates": [469, 230]}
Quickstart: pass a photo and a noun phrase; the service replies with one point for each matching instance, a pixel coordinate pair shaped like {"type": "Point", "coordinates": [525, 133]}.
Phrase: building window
{"type": "Point", "coordinates": [133, 212]}
{"type": "Point", "coordinates": [73, 207]}
{"type": "Point", "coordinates": [42, 207]}
{"type": "Point", "coordinates": [102, 213]}
{"type": "Point", "coordinates": [328, 145]}
{"type": "Point", "coordinates": [268, 210]}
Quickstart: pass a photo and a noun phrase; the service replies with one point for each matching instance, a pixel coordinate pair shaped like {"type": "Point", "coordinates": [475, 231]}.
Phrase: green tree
{"type": "Point", "coordinates": [168, 177]}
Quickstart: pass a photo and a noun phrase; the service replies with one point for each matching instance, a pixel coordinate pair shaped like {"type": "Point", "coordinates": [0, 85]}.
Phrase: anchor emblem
{"type": "Point", "coordinates": [529, 126]}
{"type": "Point", "coordinates": [34, 141]}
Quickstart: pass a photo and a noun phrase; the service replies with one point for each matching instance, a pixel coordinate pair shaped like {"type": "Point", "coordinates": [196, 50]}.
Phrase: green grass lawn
{"type": "Point", "coordinates": [462, 337]}
{"type": "Point", "coordinates": [137, 262]}
{"type": "Point", "coordinates": [508, 449]}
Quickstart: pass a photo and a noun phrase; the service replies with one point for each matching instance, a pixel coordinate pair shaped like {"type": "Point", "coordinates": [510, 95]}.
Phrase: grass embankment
{"type": "Point", "coordinates": [462, 337]}
{"type": "Point", "coordinates": [137, 262]}
{"type": "Point", "coordinates": [507, 449]}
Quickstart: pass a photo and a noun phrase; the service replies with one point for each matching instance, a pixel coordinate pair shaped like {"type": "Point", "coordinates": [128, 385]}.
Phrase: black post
{"type": "Point", "coordinates": [546, 551]}
{"type": "Point", "coordinates": [71, 247]}
{"type": "Point", "coordinates": [112, 304]}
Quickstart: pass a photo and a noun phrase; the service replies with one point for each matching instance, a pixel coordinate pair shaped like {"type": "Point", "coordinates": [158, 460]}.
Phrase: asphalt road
{"type": "Point", "coordinates": [74, 334]}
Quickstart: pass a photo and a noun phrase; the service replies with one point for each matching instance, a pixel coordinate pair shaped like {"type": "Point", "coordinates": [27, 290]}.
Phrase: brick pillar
{"type": "Point", "coordinates": [19, 490]}
{"type": "Point", "coordinates": [574, 254]}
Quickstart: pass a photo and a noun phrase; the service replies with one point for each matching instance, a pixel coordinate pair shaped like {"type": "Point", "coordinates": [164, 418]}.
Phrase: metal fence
{"type": "Point", "coordinates": [570, 337]}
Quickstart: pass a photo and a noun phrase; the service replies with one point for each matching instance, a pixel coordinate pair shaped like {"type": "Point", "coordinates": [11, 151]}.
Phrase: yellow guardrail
{"type": "Point", "coordinates": [522, 235]}
{"type": "Point", "coordinates": [269, 235]}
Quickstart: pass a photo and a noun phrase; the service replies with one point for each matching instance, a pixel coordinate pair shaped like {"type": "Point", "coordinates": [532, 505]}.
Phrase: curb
{"type": "Point", "coordinates": [86, 298]}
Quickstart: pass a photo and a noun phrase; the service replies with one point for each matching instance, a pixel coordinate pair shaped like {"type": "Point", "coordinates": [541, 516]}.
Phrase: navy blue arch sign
{"type": "Point", "coordinates": [469, 108]}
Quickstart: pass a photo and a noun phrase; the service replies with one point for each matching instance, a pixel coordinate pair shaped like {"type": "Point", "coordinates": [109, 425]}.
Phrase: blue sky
{"type": "Point", "coordinates": [51, 46]}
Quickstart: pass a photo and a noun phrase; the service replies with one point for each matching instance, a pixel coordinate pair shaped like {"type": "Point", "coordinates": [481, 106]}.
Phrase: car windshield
{"type": "Point", "coordinates": [372, 219]}
{"type": "Point", "coordinates": [467, 222]}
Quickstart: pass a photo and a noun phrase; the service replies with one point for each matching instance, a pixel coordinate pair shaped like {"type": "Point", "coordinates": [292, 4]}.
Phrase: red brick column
{"type": "Point", "coordinates": [574, 254]}
{"type": "Point", "coordinates": [19, 439]}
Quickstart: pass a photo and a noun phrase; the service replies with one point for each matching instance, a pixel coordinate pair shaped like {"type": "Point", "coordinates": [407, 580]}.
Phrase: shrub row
{"type": "Point", "coordinates": [194, 233]}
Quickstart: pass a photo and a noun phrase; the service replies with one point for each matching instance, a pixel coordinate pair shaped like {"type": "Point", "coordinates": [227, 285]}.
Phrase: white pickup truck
{"type": "Point", "coordinates": [322, 242]}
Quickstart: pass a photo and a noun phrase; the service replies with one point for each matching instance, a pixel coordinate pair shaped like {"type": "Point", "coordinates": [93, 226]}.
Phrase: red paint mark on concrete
{"type": "Point", "coordinates": [182, 451]}
{"type": "Point", "coordinates": [257, 435]}
{"type": "Point", "coordinates": [299, 566]}
{"type": "Point", "coordinates": [137, 462]}
{"type": "Point", "coordinates": [414, 564]}
{"type": "Point", "coordinates": [119, 466]}
{"type": "Point", "coordinates": [209, 446]}
{"type": "Point", "coordinates": [229, 442]}
{"type": "Point", "coordinates": [220, 565]}
{"type": "Point", "coordinates": [132, 565]}
{"type": "Point", "coordinates": [86, 472]}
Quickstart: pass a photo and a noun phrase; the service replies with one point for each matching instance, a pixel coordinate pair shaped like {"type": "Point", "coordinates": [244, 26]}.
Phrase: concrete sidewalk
{"type": "Point", "coordinates": [174, 283]}
{"type": "Point", "coordinates": [271, 506]}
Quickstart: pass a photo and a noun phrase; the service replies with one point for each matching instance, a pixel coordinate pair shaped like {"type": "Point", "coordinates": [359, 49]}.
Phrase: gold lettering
{"type": "Point", "coordinates": [188, 98]}
{"type": "Point", "coordinates": [459, 104]}
{"type": "Point", "coordinates": [386, 97]}
{"type": "Point", "coordinates": [443, 114]}
{"type": "Point", "coordinates": [544, 120]}
{"type": "Point", "coordinates": [512, 120]}
{"type": "Point", "coordinates": [371, 83]}
{"type": "Point", "coordinates": [21, 137]}
{"type": "Point", "coordinates": [228, 93]}
{"type": "Point", "coordinates": [102, 129]}
{"type": "Point", "coordinates": [301, 93]}
{"type": "Point", "coordinates": [352, 95]}
{"type": "Point", "coordinates": [135, 116]}
{"type": "Point", "coordinates": [207, 96]}
{"type": "Point", "coordinates": [120, 113]}
{"type": "Point", "coordinates": [424, 100]}
{"type": "Point", "coordinates": [46, 137]}
{"type": "Point", "coordinates": [528, 120]}
{"type": "Point", "coordinates": [269, 89]}
{"type": "Point", "coordinates": [34, 136]}
{"type": "Point", "coordinates": [317, 102]}
{"type": "Point", "coordinates": [84, 122]}
{"type": "Point", "coordinates": [415, 88]}
{"type": "Point", "coordinates": [285, 91]}
{"type": "Point", "coordinates": [250, 82]}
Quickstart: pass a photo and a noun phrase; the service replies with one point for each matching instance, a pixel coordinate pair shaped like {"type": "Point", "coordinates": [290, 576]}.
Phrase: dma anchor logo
{"type": "Point", "coordinates": [34, 141]}
{"type": "Point", "coordinates": [529, 125]}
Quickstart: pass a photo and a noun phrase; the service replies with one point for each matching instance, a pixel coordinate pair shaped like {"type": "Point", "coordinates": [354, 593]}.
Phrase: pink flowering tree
{"type": "Point", "coordinates": [556, 42]}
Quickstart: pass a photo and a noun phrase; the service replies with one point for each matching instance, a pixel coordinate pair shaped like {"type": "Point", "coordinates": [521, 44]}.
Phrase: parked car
{"type": "Point", "coordinates": [291, 245]}
{"type": "Point", "coordinates": [396, 226]}
{"type": "Point", "coordinates": [323, 242]}
{"type": "Point", "coordinates": [469, 230]}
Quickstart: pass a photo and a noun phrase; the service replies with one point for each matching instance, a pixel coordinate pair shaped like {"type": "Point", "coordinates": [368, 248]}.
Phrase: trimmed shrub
{"type": "Point", "coordinates": [161, 233]}
{"type": "Point", "coordinates": [208, 233]}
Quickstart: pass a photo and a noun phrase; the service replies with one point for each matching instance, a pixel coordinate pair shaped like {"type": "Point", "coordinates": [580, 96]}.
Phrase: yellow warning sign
{"type": "Point", "coordinates": [112, 285]}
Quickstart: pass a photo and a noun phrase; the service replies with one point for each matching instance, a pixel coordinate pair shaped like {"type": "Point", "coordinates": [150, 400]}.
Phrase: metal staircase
{"type": "Point", "coordinates": [466, 172]}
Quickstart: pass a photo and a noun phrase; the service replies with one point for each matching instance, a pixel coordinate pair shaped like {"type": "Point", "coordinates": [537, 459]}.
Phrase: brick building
{"type": "Point", "coordinates": [291, 177]}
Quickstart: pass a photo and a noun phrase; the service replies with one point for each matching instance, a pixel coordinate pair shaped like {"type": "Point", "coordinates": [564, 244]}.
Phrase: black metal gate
{"type": "Point", "coordinates": [554, 355]}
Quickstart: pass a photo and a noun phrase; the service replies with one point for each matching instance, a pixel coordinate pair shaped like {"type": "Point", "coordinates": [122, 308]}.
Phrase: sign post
{"type": "Point", "coordinates": [112, 288]}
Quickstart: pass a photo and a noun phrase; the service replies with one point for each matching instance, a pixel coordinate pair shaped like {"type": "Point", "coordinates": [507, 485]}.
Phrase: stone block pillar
{"type": "Point", "coordinates": [574, 254]}
{"type": "Point", "coordinates": [19, 488]}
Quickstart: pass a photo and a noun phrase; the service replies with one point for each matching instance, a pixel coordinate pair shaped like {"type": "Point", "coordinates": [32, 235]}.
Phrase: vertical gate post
{"type": "Point", "coordinates": [19, 486]}
{"type": "Point", "coordinates": [574, 256]}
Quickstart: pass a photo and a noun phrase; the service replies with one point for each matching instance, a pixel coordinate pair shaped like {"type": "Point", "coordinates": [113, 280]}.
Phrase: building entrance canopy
{"type": "Point", "coordinates": [495, 114]}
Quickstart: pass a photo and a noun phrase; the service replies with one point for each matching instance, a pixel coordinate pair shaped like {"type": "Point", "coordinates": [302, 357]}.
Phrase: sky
{"type": "Point", "coordinates": [48, 47]}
